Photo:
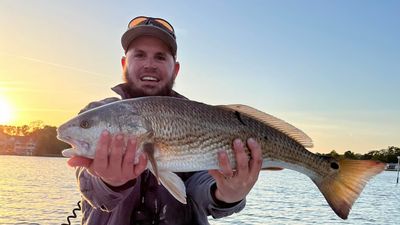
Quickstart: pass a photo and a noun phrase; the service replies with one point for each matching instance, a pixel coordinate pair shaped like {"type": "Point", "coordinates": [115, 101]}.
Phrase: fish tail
{"type": "Point", "coordinates": [343, 188]}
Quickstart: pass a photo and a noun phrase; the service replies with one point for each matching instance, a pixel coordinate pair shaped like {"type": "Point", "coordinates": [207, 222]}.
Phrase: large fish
{"type": "Point", "coordinates": [179, 135]}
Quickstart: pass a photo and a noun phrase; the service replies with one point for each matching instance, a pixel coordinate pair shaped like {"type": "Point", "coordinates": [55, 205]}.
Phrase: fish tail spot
{"type": "Point", "coordinates": [334, 165]}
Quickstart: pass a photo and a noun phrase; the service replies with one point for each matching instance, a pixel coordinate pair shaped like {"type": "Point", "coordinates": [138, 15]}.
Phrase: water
{"type": "Point", "coordinates": [36, 190]}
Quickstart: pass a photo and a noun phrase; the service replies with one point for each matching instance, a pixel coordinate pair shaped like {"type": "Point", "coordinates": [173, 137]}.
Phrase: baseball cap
{"type": "Point", "coordinates": [156, 27]}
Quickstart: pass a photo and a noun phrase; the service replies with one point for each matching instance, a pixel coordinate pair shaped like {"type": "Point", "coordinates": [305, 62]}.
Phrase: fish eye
{"type": "Point", "coordinates": [85, 124]}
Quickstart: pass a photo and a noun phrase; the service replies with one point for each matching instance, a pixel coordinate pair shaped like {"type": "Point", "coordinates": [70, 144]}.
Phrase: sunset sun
{"type": "Point", "coordinates": [5, 111]}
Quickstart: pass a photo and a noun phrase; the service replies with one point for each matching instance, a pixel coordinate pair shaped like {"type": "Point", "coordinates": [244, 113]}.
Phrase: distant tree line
{"type": "Point", "coordinates": [388, 155]}
{"type": "Point", "coordinates": [47, 142]}
{"type": "Point", "coordinates": [45, 137]}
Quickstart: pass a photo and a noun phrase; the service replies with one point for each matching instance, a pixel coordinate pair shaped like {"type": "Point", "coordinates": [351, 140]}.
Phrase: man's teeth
{"type": "Point", "coordinates": [146, 78]}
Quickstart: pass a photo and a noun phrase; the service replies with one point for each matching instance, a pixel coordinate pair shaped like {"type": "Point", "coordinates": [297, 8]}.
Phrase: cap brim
{"type": "Point", "coordinates": [146, 30]}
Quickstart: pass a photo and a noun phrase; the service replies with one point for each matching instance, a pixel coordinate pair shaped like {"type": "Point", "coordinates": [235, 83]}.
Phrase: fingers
{"type": "Point", "coordinates": [114, 160]}
{"type": "Point", "coordinates": [224, 164]}
{"type": "Point", "coordinates": [141, 166]}
{"type": "Point", "coordinates": [100, 162]}
{"type": "Point", "coordinates": [242, 160]}
{"type": "Point", "coordinates": [256, 157]}
{"type": "Point", "coordinates": [247, 169]}
{"type": "Point", "coordinates": [79, 161]}
{"type": "Point", "coordinates": [117, 148]}
{"type": "Point", "coordinates": [129, 168]}
{"type": "Point", "coordinates": [130, 154]}
{"type": "Point", "coordinates": [217, 175]}
{"type": "Point", "coordinates": [225, 171]}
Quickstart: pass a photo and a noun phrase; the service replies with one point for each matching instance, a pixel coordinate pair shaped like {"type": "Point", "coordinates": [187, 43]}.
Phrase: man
{"type": "Point", "coordinates": [117, 191]}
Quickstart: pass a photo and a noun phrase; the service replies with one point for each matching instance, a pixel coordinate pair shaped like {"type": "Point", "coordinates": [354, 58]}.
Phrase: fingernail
{"type": "Point", "coordinates": [237, 142]}
{"type": "Point", "coordinates": [119, 137]}
{"type": "Point", "coordinates": [221, 153]}
{"type": "Point", "coordinates": [251, 141]}
{"type": "Point", "coordinates": [104, 133]}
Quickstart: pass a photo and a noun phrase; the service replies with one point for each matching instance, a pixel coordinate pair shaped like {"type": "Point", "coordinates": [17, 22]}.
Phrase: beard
{"type": "Point", "coordinates": [135, 91]}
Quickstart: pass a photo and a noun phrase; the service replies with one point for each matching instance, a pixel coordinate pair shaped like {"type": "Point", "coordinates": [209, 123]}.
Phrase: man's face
{"type": "Point", "coordinates": [150, 69]}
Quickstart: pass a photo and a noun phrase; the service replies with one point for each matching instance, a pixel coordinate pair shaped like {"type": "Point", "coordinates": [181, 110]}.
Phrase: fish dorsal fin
{"type": "Point", "coordinates": [274, 122]}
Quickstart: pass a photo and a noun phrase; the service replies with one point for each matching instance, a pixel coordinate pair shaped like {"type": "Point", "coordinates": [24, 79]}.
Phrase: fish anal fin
{"type": "Point", "coordinates": [273, 122]}
{"type": "Point", "coordinates": [342, 189]}
{"type": "Point", "coordinates": [172, 182]}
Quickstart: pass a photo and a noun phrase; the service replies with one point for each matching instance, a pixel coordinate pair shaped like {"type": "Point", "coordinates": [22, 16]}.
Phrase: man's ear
{"type": "Point", "coordinates": [123, 61]}
{"type": "Point", "coordinates": [176, 69]}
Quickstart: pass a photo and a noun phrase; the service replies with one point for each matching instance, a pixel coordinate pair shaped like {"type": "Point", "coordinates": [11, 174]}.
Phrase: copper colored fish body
{"type": "Point", "coordinates": [180, 135]}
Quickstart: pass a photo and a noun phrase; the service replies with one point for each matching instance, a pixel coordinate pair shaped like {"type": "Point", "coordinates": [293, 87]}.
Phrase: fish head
{"type": "Point", "coordinates": [83, 131]}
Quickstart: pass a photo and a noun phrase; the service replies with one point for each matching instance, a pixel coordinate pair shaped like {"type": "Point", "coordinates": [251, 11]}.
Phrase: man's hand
{"type": "Point", "coordinates": [110, 163]}
{"type": "Point", "coordinates": [233, 186]}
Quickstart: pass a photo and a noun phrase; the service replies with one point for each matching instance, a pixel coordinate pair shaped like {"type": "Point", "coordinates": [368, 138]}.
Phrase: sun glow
{"type": "Point", "coordinates": [6, 111]}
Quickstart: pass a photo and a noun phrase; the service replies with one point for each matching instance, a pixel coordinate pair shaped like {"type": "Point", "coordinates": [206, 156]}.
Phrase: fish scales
{"type": "Point", "coordinates": [186, 136]}
{"type": "Point", "coordinates": [177, 130]}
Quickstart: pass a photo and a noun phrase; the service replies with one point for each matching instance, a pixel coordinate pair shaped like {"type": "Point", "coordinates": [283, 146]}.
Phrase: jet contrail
{"type": "Point", "coordinates": [44, 110]}
{"type": "Point", "coordinates": [59, 65]}
{"type": "Point", "coordinates": [66, 67]}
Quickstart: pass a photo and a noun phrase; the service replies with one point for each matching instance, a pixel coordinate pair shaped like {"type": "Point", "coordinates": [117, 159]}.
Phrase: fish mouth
{"type": "Point", "coordinates": [69, 152]}
{"type": "Point", "coordinates": [77, 145]}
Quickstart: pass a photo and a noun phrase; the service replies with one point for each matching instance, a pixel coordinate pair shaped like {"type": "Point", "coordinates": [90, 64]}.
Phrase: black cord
{"type": "Point", "coordinates": [74, 214]}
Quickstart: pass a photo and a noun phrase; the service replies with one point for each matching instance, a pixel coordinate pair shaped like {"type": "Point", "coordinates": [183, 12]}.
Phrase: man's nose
{"type": "Point", "coordinates": [149, 63]}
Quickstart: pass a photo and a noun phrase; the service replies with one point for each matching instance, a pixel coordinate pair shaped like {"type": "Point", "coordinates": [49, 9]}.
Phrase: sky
{"type": "Point", "coordinates": [330, 68]}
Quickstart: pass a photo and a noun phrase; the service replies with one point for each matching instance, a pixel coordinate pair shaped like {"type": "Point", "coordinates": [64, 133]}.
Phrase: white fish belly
{"type": "Point", "coordinates": [191, 162]}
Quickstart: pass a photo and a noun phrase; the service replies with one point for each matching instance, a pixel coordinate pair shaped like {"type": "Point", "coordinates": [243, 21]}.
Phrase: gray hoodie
{"type": "Point", "coordinates": [143, 201]}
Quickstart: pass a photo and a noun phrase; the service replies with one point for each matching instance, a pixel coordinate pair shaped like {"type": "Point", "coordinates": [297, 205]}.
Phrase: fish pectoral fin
{"type": "Point", "coordinates": [68, 152]}
{"type": "Point", "coordinates": [148, 148]}
{"type": "Point", "coordinates": [174, 184]}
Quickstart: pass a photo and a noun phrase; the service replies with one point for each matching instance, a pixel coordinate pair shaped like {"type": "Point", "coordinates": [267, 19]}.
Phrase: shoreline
{"type": "Point", "coordinates": [46, 155]}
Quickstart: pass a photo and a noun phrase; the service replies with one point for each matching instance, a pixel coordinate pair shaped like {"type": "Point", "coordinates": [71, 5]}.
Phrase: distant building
{"type": "Point", "coordinates": [392, 166]}
{"type": "Point", "coordinates": [23, 145]}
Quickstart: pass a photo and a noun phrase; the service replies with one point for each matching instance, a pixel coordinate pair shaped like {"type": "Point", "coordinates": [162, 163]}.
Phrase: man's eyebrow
{"type": "Point", "coordinates": [162, 54]}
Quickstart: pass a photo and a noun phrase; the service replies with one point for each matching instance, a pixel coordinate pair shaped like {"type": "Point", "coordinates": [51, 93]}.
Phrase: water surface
{"type": "Point", "coordinates": [41, 190]}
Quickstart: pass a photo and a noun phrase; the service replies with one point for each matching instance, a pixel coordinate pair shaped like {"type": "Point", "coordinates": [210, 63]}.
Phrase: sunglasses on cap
{"type": "Point", "coordinates": [158, 22]}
